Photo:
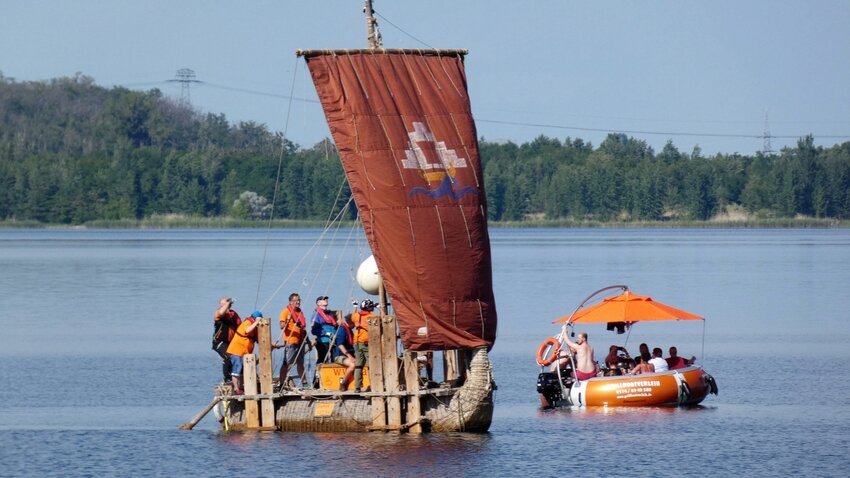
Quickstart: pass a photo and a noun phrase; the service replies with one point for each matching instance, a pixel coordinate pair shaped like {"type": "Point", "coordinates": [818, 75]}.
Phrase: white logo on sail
{"type": "Point", "coordinates": [416, 156]}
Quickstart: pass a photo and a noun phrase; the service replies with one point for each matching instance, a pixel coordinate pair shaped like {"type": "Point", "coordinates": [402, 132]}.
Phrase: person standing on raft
{"type": "Point", "coordinates": [241, 345]}
{"type": "Point", "coordinates": [293, 331]}
{"type": "Point", "coordinates": [585, 364]}
{"type": "Point", "coordinates": [225, 321]}
{"type": "Point", "coordinates": [361, 340]}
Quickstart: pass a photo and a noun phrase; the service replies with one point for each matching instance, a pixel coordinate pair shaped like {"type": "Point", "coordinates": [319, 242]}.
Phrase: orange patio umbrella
{"type": "Point", "coordinates": [628, 307]}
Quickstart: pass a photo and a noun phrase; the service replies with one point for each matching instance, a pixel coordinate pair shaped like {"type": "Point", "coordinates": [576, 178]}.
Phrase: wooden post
{"type": "Point", "coordinates": [411, 381]}
{"type": "Point", "coordinates": [461, 365]}
{"type": "Point", "coordinates": [265, 345]}
{"type": "Point", "coordinates": [249, 376]}
{"type": "Point", "coordinates": [376, 373]}
{"type": "Point", "coordinates": [450, 369]}
{"type": "Point", "coordinates": [389, 345]}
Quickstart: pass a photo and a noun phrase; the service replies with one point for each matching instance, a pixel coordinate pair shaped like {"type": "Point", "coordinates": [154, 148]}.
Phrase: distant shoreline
{"type": "Point", "coordinates": [182, 222]}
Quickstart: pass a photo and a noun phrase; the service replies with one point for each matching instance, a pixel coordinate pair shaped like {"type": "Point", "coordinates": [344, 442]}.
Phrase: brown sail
{"type": "Point", "coordinates": [403, 126]}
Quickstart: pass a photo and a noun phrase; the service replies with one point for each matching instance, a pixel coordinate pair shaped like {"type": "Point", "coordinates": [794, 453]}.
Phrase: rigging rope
{"type": "Point", "coordinates": [303, 258]}
{"type": "Point", "coordinates": [276, 186]}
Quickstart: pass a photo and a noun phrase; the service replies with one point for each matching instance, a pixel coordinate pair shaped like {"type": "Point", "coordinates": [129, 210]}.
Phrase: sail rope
{"type": "Point", "coordinates": [400, 29]}
{"type": "Point", "coordinates": [278, 361]}
{"type": "Point", "coordinates": [318, 241]}
{"type": "Point", "coordinates": [276, 186]}
{"type": "Point", "coordinates": [329, 221]}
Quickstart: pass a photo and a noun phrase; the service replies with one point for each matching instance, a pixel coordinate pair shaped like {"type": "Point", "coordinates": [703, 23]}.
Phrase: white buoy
{"type": "Point", "coordinates": [368, 276]}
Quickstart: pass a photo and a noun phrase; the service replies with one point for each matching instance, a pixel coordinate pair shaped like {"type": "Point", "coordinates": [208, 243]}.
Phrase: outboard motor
{"type": "Point", "coordinates": [712, 384]}
{"type": "Point", "coordinates": [548, 386]}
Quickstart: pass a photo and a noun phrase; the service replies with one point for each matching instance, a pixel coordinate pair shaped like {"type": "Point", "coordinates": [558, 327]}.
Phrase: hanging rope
{"type": "Point", "coordinates": [329, 219]}
{"type": "Point", "coordinates": [276, 186]}
{"type": "Point", "coordinates": [303, 258]}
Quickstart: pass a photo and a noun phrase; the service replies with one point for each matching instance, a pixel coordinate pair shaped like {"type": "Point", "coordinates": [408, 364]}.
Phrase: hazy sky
{"type": "Point", "coordinates": [558, 68]}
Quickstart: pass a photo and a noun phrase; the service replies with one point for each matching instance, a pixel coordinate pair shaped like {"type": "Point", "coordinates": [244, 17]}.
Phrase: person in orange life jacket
{"type": "Point", "coordinates": [323, 326]}
{"type": "Point", "coordinates": [225, 322]}
{"type": "Point", "coordinates": [360, 320]}
{"type": "Point", "coordinates": [241, 345]}
{"type": "Point", "coordinates": [293, 332]}
{"type": "Point", "coordinates": [343, 348]}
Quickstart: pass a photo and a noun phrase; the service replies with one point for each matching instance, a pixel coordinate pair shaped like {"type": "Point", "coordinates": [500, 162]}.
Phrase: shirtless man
{"type": "Point", "coordinates": [585, 364]}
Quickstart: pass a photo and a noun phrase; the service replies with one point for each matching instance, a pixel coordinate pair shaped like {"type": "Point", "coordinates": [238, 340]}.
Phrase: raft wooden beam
{"type": "Point", "coordinates": [376, 372]}
{"type": "Point", "coordinates": [265, 345]}
{"type": "Point", "coordinates": [307, 394]}
{"type": "Point", "coordinates": [200, 415]}
{"type": "Point", "coordinates": [249, 376]}
{"type": "Point", "coordinates": [380, 51]}
{"type": "Point", "coordinates": [411, 382]}
{"type": "Point", "coordinates": [450, 365]}
{"type": "Point", "coordinates": [389, 343]}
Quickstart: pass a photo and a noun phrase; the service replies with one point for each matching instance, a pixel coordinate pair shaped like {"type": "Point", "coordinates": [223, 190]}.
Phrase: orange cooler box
{"type": "Point", "coordinates": [330, 374]}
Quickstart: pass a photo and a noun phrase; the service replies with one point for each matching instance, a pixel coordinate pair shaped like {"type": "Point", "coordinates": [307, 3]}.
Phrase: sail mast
{"type": "Point", "coordinates": [373, 36]}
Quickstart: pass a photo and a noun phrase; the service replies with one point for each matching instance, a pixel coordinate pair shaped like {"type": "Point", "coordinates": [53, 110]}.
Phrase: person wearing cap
{"type": "Point", "coordinates": [225, 321]}
{"type": "Point", "coordinates": [293, 332]}
{"type": "Point", "coordinates": [241, 345]}
{"type": "Point", "coordinates": [360, 320]}
{"type": "Point", "coordinates": [323, 326]}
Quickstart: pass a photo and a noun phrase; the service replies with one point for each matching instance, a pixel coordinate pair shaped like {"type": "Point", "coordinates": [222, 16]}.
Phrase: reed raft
{"type": "Point", "coordinates": [467, 407]}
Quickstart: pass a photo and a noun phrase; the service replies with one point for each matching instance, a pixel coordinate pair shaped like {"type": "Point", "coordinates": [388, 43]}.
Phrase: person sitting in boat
{"type": "Point", "coordinates": [293, 334]}
{"type": "Point", "coordinates": [360, 320]}
{"type": "Point", "coordinates": [643, 349]}
{"type": "Point", "coordinates": [323, 326]}
{"type": "Point", "coordinates": [585, 363]}
{"type": "Point", "coordinates": [643, 365]}
{"type": "Point", "coordinates": [241, 345]}
{"type": "Point", "coordinates": [226, 321]}
{"type": "Point", "coordinates": [615, 362]}
{"type": "Point", "coordinates": [343, 351]}
{"type": "Point", "coordinates": [674, 362]}
{"type": "Point", "coordinates": [658, 363]}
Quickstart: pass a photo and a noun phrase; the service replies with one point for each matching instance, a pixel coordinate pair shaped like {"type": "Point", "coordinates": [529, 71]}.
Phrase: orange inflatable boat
{"type": "Point", "coordinates": [610, 387]}
{"type": "Point", "coordinates": [687, 386]}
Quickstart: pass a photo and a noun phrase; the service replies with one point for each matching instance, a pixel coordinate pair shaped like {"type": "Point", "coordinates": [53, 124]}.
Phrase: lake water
{"type": "Point", "coordinates": [106, 352]}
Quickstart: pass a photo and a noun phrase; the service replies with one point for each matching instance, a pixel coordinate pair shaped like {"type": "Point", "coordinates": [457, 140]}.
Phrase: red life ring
{"type": "Point", "coordinates": [556, 347]}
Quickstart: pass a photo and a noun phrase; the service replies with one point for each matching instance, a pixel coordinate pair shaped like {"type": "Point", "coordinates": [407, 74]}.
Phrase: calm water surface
{"type": "Point", "coordinates": [106, 351]}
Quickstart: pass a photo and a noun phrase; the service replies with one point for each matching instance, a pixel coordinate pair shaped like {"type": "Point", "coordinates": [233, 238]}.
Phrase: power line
{"type": "Point", "coordinates": [661, 133]}
{"type": "Point", "coordinates": [762, 136]}
{"type": "Point", "coordinates": [260, 93]}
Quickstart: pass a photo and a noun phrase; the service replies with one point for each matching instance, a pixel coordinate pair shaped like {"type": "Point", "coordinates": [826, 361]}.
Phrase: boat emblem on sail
{"type": "Point", "coordinates": [444, 171]}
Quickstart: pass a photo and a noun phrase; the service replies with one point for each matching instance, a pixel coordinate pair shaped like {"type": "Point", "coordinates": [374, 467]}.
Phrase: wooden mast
{"type": "Point", "coordinates": [373, 36]}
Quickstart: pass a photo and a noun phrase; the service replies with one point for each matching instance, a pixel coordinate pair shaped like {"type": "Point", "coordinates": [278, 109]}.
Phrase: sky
{"type": "Point", "coordinates": [696, 73]}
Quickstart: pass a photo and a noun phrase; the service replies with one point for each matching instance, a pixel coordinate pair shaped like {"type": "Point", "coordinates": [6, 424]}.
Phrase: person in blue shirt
{"type": "Point", "coordinates": [323, 326]}
{"type": "Point", "coordinates": [343, 351]}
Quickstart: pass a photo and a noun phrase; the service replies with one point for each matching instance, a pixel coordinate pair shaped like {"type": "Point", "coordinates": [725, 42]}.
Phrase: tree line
{"type": "Point", "coordinates": [72, 152]}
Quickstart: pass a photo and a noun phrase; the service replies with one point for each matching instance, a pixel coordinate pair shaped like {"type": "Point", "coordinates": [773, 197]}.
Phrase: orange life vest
{"type": "Point", "coordinates": [243, 343]}
{"type": "Point", "coordinates": [361, 325]}
{"type": "Point", "coordinates": [294, 325]}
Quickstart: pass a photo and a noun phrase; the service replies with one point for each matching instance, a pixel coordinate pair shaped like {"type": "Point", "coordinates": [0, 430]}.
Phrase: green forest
{"type": "Point", "coordinates": [73, 152]}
